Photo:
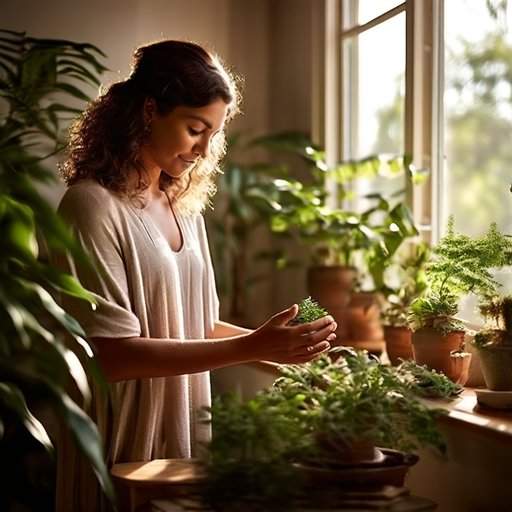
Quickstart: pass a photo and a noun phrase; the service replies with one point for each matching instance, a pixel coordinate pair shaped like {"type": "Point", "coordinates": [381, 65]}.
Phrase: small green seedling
{"type": "Point", "coordinates": [309, 311]}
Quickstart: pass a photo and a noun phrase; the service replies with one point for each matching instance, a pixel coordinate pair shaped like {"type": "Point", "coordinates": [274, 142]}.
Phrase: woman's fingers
{"type": "Point", "coordinates": [315, 337]}
{"type": "Point", "coordinates": [325, 321]}
{"type": "Point", "coordinates": [285, 316]}
{"type": "Point", "coordinates": [316, 346]}
{"type": "Point", "coordinates": [312, 352]}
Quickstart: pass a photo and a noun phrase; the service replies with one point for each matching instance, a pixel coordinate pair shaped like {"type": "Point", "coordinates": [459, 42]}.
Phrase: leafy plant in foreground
{"type": "Point", "coordinates": [426, 382]}
{"type": "Point", "coordinates": [310, 415]}
{"type": "Point", "coordinates": [42, 348]}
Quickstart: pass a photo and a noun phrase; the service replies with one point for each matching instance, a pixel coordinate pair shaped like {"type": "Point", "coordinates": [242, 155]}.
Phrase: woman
{"type": "Point", "coordinates": [141, 164]}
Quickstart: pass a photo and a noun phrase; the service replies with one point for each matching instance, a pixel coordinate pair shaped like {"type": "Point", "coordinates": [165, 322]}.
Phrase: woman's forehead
{"type": "Point", "coordinates": [212, 115]}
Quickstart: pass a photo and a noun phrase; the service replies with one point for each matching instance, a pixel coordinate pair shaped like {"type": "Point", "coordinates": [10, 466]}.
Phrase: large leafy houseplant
{"type": "Point", "coordinates": [336, 235]}
{"type": "Point", "coordinates": [42, 348]}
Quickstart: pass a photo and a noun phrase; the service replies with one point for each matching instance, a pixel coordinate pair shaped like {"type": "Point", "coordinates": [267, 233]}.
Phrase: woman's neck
{"type": "Point", "coordinates": [152, 176]}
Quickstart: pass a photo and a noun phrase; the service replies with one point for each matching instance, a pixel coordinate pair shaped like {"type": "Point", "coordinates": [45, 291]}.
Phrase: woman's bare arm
{"type": "Point", "coordinates": [136, 358]}
{"type": "Point", "coordinates": [225, 329]}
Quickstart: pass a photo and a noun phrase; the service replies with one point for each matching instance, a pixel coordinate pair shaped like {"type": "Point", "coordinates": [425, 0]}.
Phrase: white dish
{"type": "Point", "coordinates": [494, 399]}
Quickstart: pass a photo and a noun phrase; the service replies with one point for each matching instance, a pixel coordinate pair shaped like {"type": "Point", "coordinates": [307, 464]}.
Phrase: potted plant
{"type": "Point", "coordinates": [409, 282]}
{"type": "Point", "coordinates": [329, 421]}
{"type": "Point", "coordinates": [494, 342]}
{"type": "Point", "coordinates": [42, 348]}
{"type": "Point", "coordinates": [459, 265]}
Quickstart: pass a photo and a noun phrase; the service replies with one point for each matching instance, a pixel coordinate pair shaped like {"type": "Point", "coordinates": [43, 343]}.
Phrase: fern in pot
{"type": "Point", "coordinates": [494, 342]}
{"type": "Point", "coordinates": [460, 265]}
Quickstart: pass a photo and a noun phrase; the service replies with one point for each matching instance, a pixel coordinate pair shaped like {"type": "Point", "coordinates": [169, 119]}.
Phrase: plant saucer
{"type": "Point", "coordinates": [494, 399]}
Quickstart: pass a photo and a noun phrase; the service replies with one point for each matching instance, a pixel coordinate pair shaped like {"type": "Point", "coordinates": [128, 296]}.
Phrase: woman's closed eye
{"type": "Point", "coordinates": [192, 131]}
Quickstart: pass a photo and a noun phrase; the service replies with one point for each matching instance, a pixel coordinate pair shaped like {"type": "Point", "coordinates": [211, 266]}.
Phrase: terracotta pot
{"type": "Point", "coordinates": [351, 453]}
{"type": "Point", "coordinates": [331, 287]}
{"type": "Point", "coordinates": [363, 323]}
{"type": "Point", "coordinates": [433, 348]}
{"type": "Point", "coordinates": [460, 363]}
{"type": "Point", "coordinates": [497, 367]}
{"type": "Point", "coordinates": [398, 343]}
{"type": "Point", "coordinates": [475, 377]}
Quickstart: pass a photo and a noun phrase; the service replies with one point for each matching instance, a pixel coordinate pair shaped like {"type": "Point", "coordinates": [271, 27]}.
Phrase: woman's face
{"type": "Point", "coordinates": [178, 139]}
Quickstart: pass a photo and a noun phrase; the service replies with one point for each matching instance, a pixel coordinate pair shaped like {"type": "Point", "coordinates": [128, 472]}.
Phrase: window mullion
{"type": "Point", "coordinates": [418, 140]}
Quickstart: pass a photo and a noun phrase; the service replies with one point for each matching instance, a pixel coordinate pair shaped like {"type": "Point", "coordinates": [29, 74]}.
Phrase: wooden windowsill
{"type": "Point", "coordinates": [463, 411]}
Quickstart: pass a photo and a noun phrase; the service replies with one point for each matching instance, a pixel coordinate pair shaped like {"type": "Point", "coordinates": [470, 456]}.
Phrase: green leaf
{"type": "Point", "coordinates": [279, 224]}
{"type": "Point", "coordinates": [12, 397]}
{"type": "Point", "coordinates": [88, 438]}
{"type": "Point", "coordinates": [72, 91]}
{"type": "Point", "coordinates": [38, 67]}
{"type": "Point", "coordinates": [79, 69]}
{"type": "Point", "coordinates": [67, 321]}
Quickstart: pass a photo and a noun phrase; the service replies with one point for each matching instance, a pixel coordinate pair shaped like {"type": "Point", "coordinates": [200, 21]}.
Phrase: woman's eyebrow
{"type": "Point", "coordinates": [202, 119]}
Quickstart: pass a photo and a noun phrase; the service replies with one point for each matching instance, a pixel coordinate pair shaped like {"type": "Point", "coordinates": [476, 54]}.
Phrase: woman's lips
{"type": "Point", "coordinates": [187, 161]}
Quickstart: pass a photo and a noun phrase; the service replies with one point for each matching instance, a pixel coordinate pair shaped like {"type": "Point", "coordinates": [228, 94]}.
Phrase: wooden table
{"type": "Point", "coordinates": [172, 485]}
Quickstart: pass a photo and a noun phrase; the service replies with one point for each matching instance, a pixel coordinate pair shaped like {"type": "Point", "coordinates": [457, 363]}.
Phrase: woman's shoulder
{"type": "Point", "coordinates": [88, 197]}
{"type": "Point", "coordinates": [88, 192]}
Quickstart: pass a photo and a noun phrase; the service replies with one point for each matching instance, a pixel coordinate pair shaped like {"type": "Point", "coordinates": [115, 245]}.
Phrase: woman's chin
{"type": "Point", "coordinates": [176, 173]}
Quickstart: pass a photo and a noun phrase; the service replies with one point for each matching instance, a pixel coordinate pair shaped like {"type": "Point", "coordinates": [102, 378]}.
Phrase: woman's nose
{"type": "Point", "coordinates": [203, 147]}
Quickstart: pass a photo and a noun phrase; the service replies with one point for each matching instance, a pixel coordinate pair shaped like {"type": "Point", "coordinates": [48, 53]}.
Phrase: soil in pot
{"type": "Point", "coordinates": [496, 362]}
{"type": "Point", "coordinates": [398, 343]}
{"type": "Point", "coordinates": [433, 348]}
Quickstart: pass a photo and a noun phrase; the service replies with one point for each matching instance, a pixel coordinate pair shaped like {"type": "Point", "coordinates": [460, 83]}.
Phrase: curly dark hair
{"type": "Point", "coordinates": [105, 140]}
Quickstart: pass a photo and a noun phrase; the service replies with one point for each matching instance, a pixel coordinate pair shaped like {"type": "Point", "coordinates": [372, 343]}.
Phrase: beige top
{"type": "Point", "coordinates": [143, 288]}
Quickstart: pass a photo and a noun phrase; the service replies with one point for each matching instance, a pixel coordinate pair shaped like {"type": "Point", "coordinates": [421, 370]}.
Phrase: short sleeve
{"type": "Point", "coordinates": [93, 218]}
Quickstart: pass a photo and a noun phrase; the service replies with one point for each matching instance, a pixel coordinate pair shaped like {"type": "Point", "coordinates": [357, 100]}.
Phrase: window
{"type": "Point", "coordinates": [373, 55]}
{"type": "Point", "coordinates": [477, 121]}
{"type": "Point", "coordinates": [432, 79]}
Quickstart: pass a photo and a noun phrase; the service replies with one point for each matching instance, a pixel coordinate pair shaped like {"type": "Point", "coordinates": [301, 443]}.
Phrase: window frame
{"type": "Point", "coordinates": [423, 137]}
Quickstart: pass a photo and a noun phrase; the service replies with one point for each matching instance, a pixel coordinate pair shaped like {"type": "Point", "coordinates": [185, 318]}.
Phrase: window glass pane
{"type": "Point", "coordinates": [366, 10]}
{"type": "Point", "coordinates": [374, 88]}
{"type": "Point", "coordinates": [478, 119]}
{"type": "Point", "coordinates": [377, 88]}
{"type": "Point", "coordinates": [478, 116]}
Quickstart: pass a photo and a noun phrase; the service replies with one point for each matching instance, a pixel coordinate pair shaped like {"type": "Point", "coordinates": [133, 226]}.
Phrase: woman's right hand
{"type": "Point", "coordinates": [279, 342]}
